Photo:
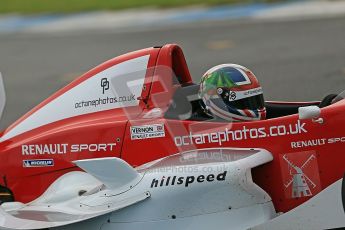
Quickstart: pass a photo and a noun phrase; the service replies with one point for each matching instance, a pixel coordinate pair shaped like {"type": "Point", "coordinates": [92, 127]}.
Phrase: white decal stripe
{"type": "Point", "coordinates": [242, 112]}
{"type": "Point", "coordinates": [65, 106]}
{"type": "Point", "coordinates": [246, 93]}
{"type": "Point", "coordinates": [252, 113]}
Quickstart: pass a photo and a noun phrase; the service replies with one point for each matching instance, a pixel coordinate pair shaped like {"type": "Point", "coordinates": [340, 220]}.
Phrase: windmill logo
{"type": "Point", "coordinates": [300, 176]}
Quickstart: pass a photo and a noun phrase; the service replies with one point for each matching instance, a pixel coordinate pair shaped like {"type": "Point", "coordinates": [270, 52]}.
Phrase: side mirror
{"type": "Point", "coordinates": [309, 112]}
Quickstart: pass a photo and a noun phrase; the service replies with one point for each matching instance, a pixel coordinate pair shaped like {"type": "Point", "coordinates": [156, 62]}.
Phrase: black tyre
{"type": "Point", "coordinates": [6, 195]}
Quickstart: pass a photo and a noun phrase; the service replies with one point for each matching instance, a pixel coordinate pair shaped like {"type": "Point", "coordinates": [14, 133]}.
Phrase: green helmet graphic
{"type": "Point", "coordinates": [215, 80]}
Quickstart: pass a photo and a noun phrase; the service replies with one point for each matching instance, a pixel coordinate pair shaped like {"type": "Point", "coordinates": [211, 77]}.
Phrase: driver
{"type": "Point", "coordinates": [232, 92]}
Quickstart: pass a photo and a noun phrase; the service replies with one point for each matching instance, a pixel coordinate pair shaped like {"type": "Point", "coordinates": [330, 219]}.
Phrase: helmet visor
{"type": "Point", "coordinates": [252, 103]}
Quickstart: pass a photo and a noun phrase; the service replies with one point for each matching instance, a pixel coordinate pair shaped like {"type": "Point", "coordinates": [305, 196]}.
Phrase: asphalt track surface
{"type": "Point", "coordinates": [295, 60]}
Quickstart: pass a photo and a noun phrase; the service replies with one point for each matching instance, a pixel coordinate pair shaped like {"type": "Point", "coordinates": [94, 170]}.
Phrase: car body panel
{"type": "Point", "coordinates": [122, 131]}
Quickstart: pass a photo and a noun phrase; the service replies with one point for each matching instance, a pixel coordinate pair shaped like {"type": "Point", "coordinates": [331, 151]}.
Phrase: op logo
{"type": "Point", "coordinates": [232, 96]}
{"type": "Point", "coordinates": [300, 174]}
{"type": "Point", "coordinates": [105, 84]}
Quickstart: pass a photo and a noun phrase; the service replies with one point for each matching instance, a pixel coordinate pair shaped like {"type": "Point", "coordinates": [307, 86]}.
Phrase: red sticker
{"type": "Point", "coordinates": [300, 174]}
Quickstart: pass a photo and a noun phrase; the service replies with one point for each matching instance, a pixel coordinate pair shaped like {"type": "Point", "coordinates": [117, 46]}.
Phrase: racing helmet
{"type": "Point", "coordinates": [233, 93]}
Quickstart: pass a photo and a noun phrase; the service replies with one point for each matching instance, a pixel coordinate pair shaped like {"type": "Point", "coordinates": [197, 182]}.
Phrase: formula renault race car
{"type": "Point", "coordinates": [128, 146]}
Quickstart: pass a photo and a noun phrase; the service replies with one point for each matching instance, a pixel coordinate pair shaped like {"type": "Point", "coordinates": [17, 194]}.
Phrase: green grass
{"type": "Point", "coordinates": [73, 6]}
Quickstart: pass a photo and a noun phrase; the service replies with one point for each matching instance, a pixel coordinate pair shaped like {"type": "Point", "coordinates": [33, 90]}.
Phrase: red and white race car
{"type": "Point", "coordinates": [128, 146]}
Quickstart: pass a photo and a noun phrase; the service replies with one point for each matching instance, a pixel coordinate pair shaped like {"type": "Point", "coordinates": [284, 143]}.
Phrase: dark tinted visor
{"type": "Point", "coordinates": [252, 103]}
